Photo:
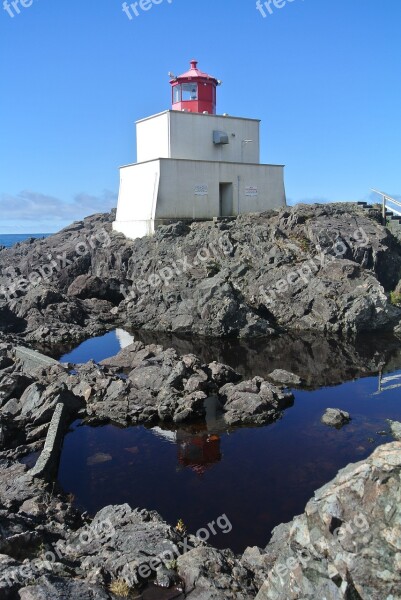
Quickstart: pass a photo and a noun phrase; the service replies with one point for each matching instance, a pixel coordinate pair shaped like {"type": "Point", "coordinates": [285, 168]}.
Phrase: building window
{"type": "Point", "coordinates": [189, 92]}
{"type": "Point", "coordinates": [176, 94]}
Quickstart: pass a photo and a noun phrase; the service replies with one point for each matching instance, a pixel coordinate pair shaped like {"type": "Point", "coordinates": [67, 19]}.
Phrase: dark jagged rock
{"type": "Point", "coordinates": [211, 574]}
{"type": "Point", "coordinates": [311, 267]}
{"type": "Point", "coordinates": [161, 385]}
{"type": "Point", "coordinates": [253, 402]}
{"type": "Point", "coordinates": [50, 587]}
{"type": "Point", "coordinates": [141, 384]}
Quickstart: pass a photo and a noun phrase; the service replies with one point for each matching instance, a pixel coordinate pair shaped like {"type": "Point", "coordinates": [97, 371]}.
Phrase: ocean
{"type": "Point", "coordinates": [9, 239]}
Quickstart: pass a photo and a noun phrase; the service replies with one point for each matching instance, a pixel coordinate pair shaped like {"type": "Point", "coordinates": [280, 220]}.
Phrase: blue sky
{"type": "Point", "coordinates": [323, 75]}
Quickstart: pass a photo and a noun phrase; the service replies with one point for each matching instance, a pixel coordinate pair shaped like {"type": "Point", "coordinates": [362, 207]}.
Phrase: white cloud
{"type": "Point", "coordinates": [35, 207]}
{"type": "Point", "coordinates": [316, 200]}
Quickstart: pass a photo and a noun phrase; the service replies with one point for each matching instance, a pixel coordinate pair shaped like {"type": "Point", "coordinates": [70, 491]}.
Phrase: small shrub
{"type": "Point", "coordinates": [395, 298]}
{"type": "Point", "coordinates": [212, 268]}
{"type": "Point", "coordinates": [180, 527]}
{"type": "Point", "coordinates": [172, 565]}
{"type": "Point", "coordinates": [119, 587]}
{"type": "Point", "coordinates": [304, 244]}
{"type": "Point", "coordinates": [301, 241]}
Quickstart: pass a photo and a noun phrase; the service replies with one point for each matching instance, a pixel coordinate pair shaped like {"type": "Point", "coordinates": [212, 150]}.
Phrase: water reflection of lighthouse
{"type": "Point", "coordinates": [198, 450]}
{"type": "Point", "coordinates": [198, 445]}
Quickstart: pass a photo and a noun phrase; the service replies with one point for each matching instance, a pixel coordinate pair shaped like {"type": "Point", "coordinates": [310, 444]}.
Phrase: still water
{"type": "Point", "coordinates": [257, 477]}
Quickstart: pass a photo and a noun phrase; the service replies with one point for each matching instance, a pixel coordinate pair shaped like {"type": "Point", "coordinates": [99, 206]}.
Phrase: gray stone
{"type": "Point", "coordinates": [12, 407]}
{"type": "Point", "coordinates": [12, 386]}
{"type": "Point", "coordinates": [334, 417]}
{"type": "Point", "coordinates": [215, 574]}
{"type": "Point", "coordinates": [284, 377]}
{"type": "Point", "coordinates": [50, 588]}
{"type": "Point", "coordinates": [395, 427]}
{"type": "Point", "coordinates": [47, 463]}
{"type": "Point", "coordinates": [38, 402]}
{"type": "Point", "coordinates": [166, 578]}
{"type": "Point", "coordinates": [136, 537]}
{"type": "Point", "coordinates": [253, 402]}
{"type": "Point", "coordinates": [31, 360]}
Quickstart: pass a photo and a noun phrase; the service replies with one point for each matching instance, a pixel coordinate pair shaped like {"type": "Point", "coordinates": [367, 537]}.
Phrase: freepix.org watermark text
{"type": "Point", "coordinates": [269, 7]}
{"type": "Point", "coordinates": [134, 9]}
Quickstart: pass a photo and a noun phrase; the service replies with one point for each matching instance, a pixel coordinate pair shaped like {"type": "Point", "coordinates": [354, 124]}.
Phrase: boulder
{"type": "Point", "coordinates": [253, 402]}
{"type": "Point", "coordinates": [395, 427]}
{"type": "Point", "coordinates": [140, 540]}
{"type": "Point", "coordinates": [215, 574]}
{"type": "Point", "coordinates": [38, 402]}
{"type": "Point", "coordinates": [284, 377]}
{"type": "Point", "coordinates": [334, 417]}
{"type": "Point", "coordinates": [51, 587]}
{"type": "Point", "coordinates": [12, 386]}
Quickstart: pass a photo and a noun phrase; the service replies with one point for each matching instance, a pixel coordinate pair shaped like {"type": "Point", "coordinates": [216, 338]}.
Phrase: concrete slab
{"type": "Point", "coordinates": [32, 360]}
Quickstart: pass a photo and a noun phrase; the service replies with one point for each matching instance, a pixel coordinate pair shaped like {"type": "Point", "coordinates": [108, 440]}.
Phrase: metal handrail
{"type": "Point", "coordinates": [385, 198]}
{"type": "Point", "coordinates": [382, 380]}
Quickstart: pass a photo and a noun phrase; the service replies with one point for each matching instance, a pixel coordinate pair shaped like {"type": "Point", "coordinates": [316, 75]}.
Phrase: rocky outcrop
{"type": "Point", "coordinates": [142, 543]}
{"type": "Point", "coordinates": [346, 544]}
{"type": "Point", "coordinates": [152, 384]}
{"type": "Point", "coordinates": [31, 518]}
{"type": "Point", "coordinates": [141, 384]}
{"type": "Point", "coordinates": [318, 267]}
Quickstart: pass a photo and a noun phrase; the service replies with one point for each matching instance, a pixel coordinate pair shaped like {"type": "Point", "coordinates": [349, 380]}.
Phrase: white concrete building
{"type": "Point", "coordinates": [194, 164]}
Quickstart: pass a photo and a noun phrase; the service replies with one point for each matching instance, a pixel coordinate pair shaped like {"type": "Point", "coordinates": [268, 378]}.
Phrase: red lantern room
{"type": "Point", "coordinates": [194, 91]}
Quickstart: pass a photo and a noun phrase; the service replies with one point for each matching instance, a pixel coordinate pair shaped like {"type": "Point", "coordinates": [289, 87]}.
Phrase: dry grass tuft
{"type": "Point", "coordinates": [120, 588]}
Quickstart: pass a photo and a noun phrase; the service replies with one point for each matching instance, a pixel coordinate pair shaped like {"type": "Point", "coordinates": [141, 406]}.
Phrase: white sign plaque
{"type": "Point", "coordinates": [201, 190]}
{"type": "Point", "coordinates": [251, 190]}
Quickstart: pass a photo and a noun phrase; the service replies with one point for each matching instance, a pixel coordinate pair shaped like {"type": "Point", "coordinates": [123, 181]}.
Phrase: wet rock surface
{"type": "Point", "coordinates": [311, 267]}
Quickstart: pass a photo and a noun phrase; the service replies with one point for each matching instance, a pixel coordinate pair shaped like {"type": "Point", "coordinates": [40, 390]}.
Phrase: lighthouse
{"type": "Point", "coordinates": [194, 164]}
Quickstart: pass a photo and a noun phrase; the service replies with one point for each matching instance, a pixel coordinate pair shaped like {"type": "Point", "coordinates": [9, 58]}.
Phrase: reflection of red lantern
{"type": "Point", "coordinates": [198, 451]}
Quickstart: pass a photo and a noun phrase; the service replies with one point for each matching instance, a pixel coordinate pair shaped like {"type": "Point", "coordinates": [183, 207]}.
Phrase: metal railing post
{"type": "Point", "coordinates": [388, 199]}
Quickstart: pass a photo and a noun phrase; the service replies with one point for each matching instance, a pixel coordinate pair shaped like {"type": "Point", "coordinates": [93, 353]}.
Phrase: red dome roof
{"type": "Point", "coordinates": [195, 73]}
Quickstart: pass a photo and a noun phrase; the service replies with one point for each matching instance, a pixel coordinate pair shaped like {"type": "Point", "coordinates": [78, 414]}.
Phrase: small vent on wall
{"type": "Point", "coordinates": [220, 138]}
